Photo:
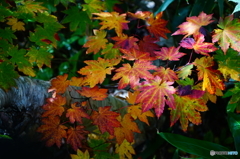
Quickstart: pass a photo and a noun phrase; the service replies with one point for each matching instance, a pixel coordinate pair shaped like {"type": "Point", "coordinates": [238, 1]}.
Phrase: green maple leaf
{"type": "Point", "coordinates": [186, 110]}
{"type": "Point", "coordinates": [229, 65]}
{"type": "Point", "coordinates": [19, 58]}
{"type": "Point", "coordinates": [4, 46]}
{"type": "Point", "coordinates": [185, 82]}
{"type": "Point", "coordinates": [185, 71]}
{"type": "Point", "coordinates": [93, 6]}
{"type": "Point", "coordinates": [64, 2]}
{"type": "Point", "coordinates": [237, 7]}
{"type": "Point", "coordinates": [40, 56]}
{"type": "Point", "coordinates": [7, 75]}
{"type": "Point", "coordinates": [100, 148]}
{"type": "Point", "coordinates": [4, 12]}
{"type": "Point", "coordinates": [7, 34]}
{"type": "Point", "coordinates": [73, 17]}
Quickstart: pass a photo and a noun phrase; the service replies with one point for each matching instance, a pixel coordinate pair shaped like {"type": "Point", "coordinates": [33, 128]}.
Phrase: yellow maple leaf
{"type": "Point", "coordinates": [16, 25]}
{"type": "Point", "coordinates": [81, 155]}
{"type": "Point", "coordinates": [125, 150]}
{"type": "Point", "coordinates": [228, 72]}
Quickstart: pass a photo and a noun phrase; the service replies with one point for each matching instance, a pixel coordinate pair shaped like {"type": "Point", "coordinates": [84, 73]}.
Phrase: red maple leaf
{"type": "Point", "coordinates": [53, 132]}
{"type": "Point", "coordinates": [169, 53]}
{"type": "Point", "coordinates": [131, 75]}
{"type": "Point", "coordinates": [135, 54]}
{"type": "Point", "coordinates": [105, 119]}
{"type": "Point", "coordinates": [125, 42]}
{"type": "Point", "coordinates": [157, 26]}
{"type": "Point", "coordinates": [165, 74]}
{"type": "Point", "coordinates": [76, 114]}
{"type": "Point", "coordinates": [54, 106]}
{"type": "Point", "coordinates": [76, 136]}
{"type": "Point", "coordinates": [198, 44]}
{"type": "Point", "coordinates": [155, 93]}
{"type": "Point", "coordinates": [95, 93]}
{"type": "Point", "coordinates": [193, 24]}
{"type": "Point", "coordinates": [148, 44]}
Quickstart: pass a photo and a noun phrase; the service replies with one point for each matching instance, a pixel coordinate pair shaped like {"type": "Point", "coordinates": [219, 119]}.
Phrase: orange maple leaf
{"type": "Point", "coordinates": [97, 42]}
{"type": "Point", "coordinates": [157, 26]}
{"type": "Point", "coordinates": [125, 42]}
{"type": "Point", "coordinates": [166, 74]}
{"type": "Point", "coordinates": [112, 21]}
{"type": "Point", "coordinates": [228, 35]}
{"type": "Point", "coordinates": [125, 131]}
{"type": "Point", "coordinates": [169, 53]}
{"type": "Point", "coordinates": [144, 15]}
{"type": "Point", "coordinates": [193, 24]}
{"type": "Point", "coordinates": [54, 106]}
{"type": "Point", "coordinates": [76, 114]}
{"type": "Point", "coordinates": [60, 83]}
{"type": "Point", "coordinates": [105, 119]}
{"type": "Point", "coordinates": [96, 70]}
{"type": "Point", "coordinates": [198, 44]}
{"type": "Point", "coordinates": [211, 78]}
{"type": "Point", "coordinates": [53, 132]}
{"type": "Point", "coordinates": [155, 93]}
{"type": "Point", "coordinates": [131, 75]}
{"type": "Point", "coordinates": [136, 109]}
{"type": "Point", "coordinates": [95, 93]}
{"type": "Point", "coordinates": [76, 136]}
{"type": "Point", "coordinates": [187, 109]}
{"type": "Point", "coordinates": [135, 54]}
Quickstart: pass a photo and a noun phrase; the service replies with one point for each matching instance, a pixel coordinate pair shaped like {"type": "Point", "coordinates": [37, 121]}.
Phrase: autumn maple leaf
{"type": "Point", "coordinates": [136, 109]}
{"type": "Point", "coordinates": [53, 132]}
{"type": "Point", "coordinates": [60, 83]}
{"type": "Point", "coordinates": [125, 42]}
{"type": "Point", "coordinates": [131, 75]}
{"type": "Point", "coordinates": [198, 44]}
{"type": "Point", "coordinates": [193, 24]}
{"type": "Point", "coordinates": [125, 149]}
{"type": "Point", "coordinates": [76, 136]}
{"type": "Point", "coordinates": [211, 78]}
{"type": "Point", "coordinates": [184, 71]}
{"type": "Point", "coordinates": [148, 44]}
{"type": "Point", "coordinates": [105, 119]}
{"type": "Point", "coordinates": [54, 106]}
{"type": "Point", "coordinates": [112, 21]}
{"type": "Point", "coordinates": [16, 25]}
{"type": "Point", "coordinates": [187, 109]}
{"type": "Point", "coordinates": [96, 70]}
{"type": "Point", "coordinates": [144, 15]}
{"type": "Point", "coordinates": [157, 26]}
{"type": "Point", "coordinates": [228, 34]}
{"type": "Point", "coordinates": [135, 54]}
{"type": "Point", "coordinates": [125, 131]}
{"type": "Point", "coordinates": [95, 93]}
{"type": "Point", "coordinates": [97, 42]}
{"type": "Point", "coordinates": [155, 93]}
{"type": "Point", "coordinates": [169, 53]}
{"type": "Point", "coordinates": [165, 74]}
{"type": "Point", "coordinates": [76, 114]}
